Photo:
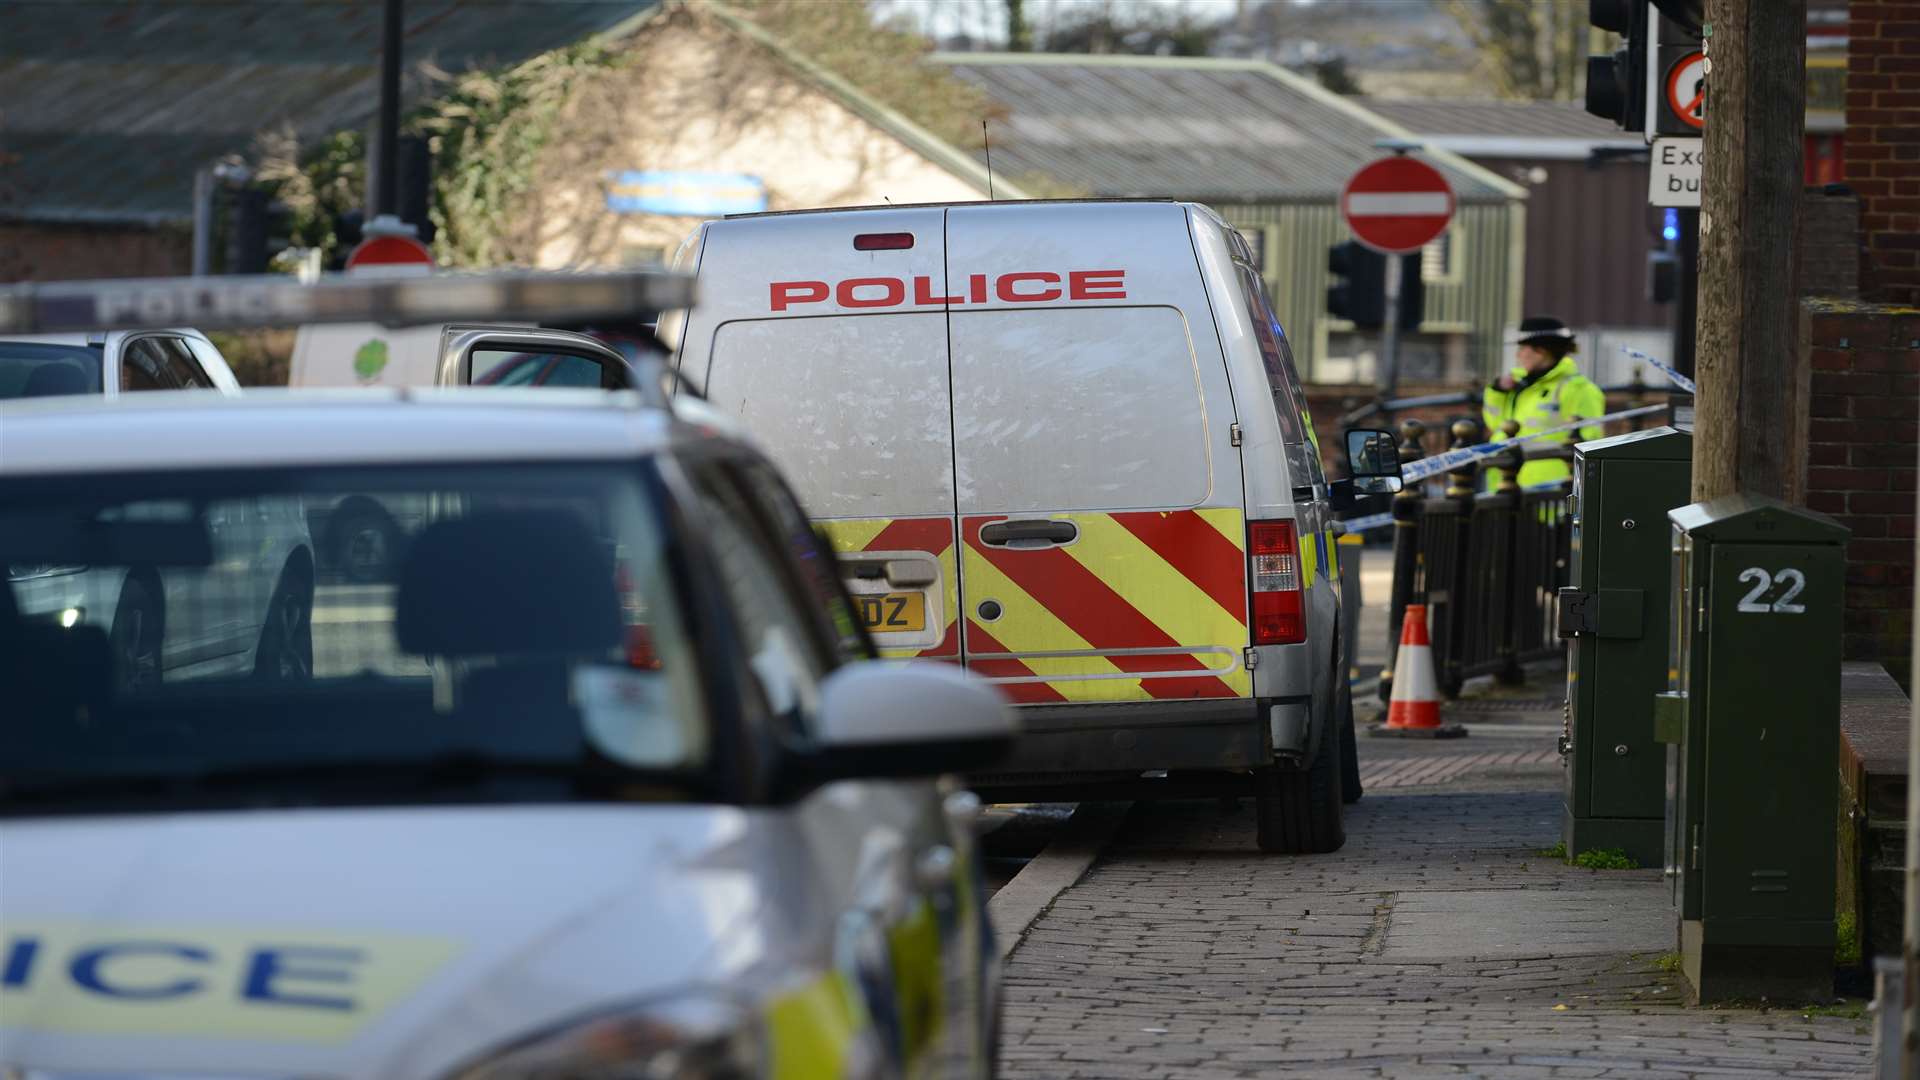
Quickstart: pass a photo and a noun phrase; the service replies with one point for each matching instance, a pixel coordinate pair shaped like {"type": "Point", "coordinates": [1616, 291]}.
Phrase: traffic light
{"type": "Point", "coordinates": [1680, 70]}
{"type": "Point", "coordinates": [1640, 86]}
{"type": "Point", "coordinates": [1413, 292]}
{"type": "Point", "coordinates": [258, 228]}
{"type": "Point", "coordinates": [1361, 298]}
{"type": "Point", "coordinates": [1617, 84]}
{"type": "Point", "coordinates": [1359, 291]}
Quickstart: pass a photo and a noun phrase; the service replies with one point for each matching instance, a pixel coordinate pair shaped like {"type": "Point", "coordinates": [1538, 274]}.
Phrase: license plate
{"type": "Point", "coordinates": [891, 613]}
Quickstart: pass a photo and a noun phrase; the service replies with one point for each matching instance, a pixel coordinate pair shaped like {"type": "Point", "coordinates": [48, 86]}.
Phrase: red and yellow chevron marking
{"type": "Point", "coordinates": [931, 535]}
{"type": "Point", "coordinates": [1171, 582]}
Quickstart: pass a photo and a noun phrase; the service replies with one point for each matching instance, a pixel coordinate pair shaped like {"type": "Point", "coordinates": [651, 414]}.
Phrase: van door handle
{"type": "Point", "coordinates": [1028, 533]}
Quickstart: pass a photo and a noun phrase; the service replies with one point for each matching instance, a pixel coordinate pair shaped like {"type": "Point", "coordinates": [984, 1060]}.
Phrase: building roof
{"type": "Point", "coordinates": [1505, 129]}
{"type": "Point", "coordinates": [112, 105]}
{"type": "Point", "coordinates": [1209, 129]}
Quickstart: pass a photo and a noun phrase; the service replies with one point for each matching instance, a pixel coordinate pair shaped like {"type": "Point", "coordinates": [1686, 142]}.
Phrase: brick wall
{"type": "Point", "coordinates": [1829, 260]}
{"type": "Point", "coordinates": [1883, 143]}
{"type": "Point", "coordinates": [1862, 446]}
{"type": "Point", "coordinates": [67, 252]}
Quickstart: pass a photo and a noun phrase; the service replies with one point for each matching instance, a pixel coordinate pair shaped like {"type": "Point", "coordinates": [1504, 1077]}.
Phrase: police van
{"type": "Point", "coordinates": [1065, 445]}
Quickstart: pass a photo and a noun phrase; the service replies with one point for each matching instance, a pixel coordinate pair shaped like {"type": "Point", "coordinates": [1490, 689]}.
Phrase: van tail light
{"type": "Point", "coordinates": [1273, 575]}
{"type": "Point", "coordinates": [883, 241]}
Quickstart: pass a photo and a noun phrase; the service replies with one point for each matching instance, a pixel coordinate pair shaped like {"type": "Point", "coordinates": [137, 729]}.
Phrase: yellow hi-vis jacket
{"type": "Point", "coordinates": [1559, 396]}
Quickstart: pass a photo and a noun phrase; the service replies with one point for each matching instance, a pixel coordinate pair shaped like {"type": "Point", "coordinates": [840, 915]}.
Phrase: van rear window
{"type": "Point", "coordinates": [1077, 409]}
{"type": "Point", "coordinates": [853, 408]}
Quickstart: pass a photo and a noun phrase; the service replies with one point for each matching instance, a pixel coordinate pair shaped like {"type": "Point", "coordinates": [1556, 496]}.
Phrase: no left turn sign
{"type": "Point", "coordinates": [1687, 90]}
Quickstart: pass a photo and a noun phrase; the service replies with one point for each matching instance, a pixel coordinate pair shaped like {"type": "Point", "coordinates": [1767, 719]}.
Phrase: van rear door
{"type": "Point", "coordinates": [826, 334]}
{"type": "Point", "coordinates": [1098, 487]}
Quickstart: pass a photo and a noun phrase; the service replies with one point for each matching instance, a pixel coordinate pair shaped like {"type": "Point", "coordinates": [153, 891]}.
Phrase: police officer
{"type": "Point", "coordinates": [1544, 390]}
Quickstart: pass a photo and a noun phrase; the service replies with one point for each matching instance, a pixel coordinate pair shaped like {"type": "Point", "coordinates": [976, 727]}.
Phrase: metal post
{"type": "Point", "coordinates": [1462, 482]}
{"type": "Point", "coordinates": [1514, 603]}
{"type": "Point", "coordinates": [1390, 332]}
{"type": "Point", "coordinates": [383, 192]}
{"type": "Point", "coordinates": [1909, 1053]}
{"type": "Point", "coordinates": [202, 221]}
{"type": "Point", "coordinates": [1406, 551]}
{"type": "Point", "coordinates": [1686, 305]}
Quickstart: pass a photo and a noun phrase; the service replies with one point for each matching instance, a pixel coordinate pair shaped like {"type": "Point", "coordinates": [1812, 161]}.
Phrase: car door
{"type": "Point", "coordinates": [894, 859]}
{"type": "Point", "coordinates": [505, 356]}
{"type": "Point", "coordinates": [1098, 477]}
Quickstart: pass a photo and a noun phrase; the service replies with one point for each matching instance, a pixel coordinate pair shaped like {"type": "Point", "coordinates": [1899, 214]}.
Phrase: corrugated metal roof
{"type": "Point", "coordinates": [1505, 119]}
{"type": "Point", "coordinates": [1227, 130]}
{"type": "Point", "coordinates": [112, 104]}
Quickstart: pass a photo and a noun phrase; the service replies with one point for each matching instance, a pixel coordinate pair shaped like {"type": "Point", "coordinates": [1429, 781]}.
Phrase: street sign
{"type": "Point", "coordinates": [1397, 205]}
{"type": "Point", "coordinates": [1686, 90]}
{"type": "Point", "coordinates": [1674, 179]}
{"type": "Point", "coordinates": [390, 250]}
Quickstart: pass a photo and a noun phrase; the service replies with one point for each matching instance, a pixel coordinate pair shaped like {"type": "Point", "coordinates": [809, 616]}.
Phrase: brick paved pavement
{"type": "Point", "coordinates": [1437, 943]}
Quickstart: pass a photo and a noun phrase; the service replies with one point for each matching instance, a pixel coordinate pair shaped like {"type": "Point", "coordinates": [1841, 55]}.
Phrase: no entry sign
{"type": "Point", "coordinates": [390, 251]}
{"type": "Point", "coordinates": [1397, 205]}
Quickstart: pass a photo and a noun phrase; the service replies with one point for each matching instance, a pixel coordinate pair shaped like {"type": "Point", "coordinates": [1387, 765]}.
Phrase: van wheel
{"type": "Point", "coordinates": [1299, 811]}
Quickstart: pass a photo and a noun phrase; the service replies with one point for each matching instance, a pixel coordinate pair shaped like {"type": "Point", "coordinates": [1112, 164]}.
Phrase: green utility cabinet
{"type": "Point", "coordinates": [1752, 717]}
{"type": "Point", "coordinates": [1623, 488]}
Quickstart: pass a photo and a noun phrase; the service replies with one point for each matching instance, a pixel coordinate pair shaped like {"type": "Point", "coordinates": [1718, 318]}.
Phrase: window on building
{"type": "Point", "coordinates": [1439, 260]}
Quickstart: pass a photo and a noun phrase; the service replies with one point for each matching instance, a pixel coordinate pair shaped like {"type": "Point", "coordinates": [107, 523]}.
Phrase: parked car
{"type": "Point", "coordinates": [111, 364]}
{"type": "Point", "coordinates": [606, 783]}
{"type": "Point", "coordinates": [1064, 444]}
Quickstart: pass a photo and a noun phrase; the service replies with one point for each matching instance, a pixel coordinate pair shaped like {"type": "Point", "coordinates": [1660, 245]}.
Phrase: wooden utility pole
{"type": "Point", "coordinates": [1750, 430]}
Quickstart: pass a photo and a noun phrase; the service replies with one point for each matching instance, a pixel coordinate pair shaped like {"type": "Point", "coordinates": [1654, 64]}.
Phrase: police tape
{"type": "Point", "coordinates": [1673, 376]}
{"type": "Point", "coordinates": [1449, 460]}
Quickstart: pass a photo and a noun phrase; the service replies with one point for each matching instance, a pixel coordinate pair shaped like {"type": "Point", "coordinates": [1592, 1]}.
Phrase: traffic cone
{"type": "Point", "coordinates": [1414, 710]}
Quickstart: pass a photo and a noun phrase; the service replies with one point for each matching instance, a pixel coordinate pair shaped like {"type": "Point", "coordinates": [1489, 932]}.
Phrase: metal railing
{"type": "Point", "coordinates": [1488, 565]}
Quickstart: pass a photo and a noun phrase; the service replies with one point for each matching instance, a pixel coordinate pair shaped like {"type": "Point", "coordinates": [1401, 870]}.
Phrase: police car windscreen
{"type": "Point", "coordinates": [341, 629]}
{"type": "Point", "coordinates": [41, 369]}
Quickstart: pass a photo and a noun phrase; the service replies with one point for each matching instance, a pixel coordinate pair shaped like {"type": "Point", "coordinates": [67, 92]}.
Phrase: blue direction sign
{"type": "Point", "coordinates": [685, 194]}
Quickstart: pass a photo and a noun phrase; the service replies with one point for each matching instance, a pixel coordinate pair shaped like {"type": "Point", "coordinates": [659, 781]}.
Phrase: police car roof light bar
{"type": "Point", "coordinates": [269, 300]}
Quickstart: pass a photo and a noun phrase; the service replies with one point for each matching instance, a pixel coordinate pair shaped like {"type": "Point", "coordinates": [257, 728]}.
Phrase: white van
{"type": "Point", "coordinates": [1064, 444]}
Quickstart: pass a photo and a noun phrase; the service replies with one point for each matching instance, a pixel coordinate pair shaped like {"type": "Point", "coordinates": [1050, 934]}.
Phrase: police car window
{"type": "Point", "coordinates": [853, 408]}
{"type": "Point", "coordinates": [1077, 409]}
{"type": "Point", "coordinates": [780, 636]}
{"type": "Point", "coordinates": [1283, 381]}
{"type": "Point", "coordinates": [172, 627]}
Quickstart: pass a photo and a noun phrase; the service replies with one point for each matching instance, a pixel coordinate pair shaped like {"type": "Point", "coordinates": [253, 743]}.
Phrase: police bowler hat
{"type": "Point", "coordinates": [1545, 331]}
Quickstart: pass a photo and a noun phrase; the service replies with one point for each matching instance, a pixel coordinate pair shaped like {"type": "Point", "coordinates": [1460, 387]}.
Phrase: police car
{"type": "Point", "coordinates": [604, 783]}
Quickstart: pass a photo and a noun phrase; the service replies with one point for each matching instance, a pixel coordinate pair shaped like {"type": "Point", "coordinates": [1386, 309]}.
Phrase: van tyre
{"type": "Point", "coordinates": [285, 652]}
{"type": "Point", "coordinates": [139, 629]}
{"type": "Point", "coordinates": [1299, 811]}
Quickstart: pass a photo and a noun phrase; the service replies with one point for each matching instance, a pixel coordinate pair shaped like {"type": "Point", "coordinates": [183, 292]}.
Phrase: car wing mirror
{"type": "Point", "coordinates": [881, 718]}
{"type": "Point", "coordinates": [1373, 467]}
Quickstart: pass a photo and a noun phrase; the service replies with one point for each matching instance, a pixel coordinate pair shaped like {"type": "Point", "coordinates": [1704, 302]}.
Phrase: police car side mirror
{"type": "Point", "coordinates": [882, 718]}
